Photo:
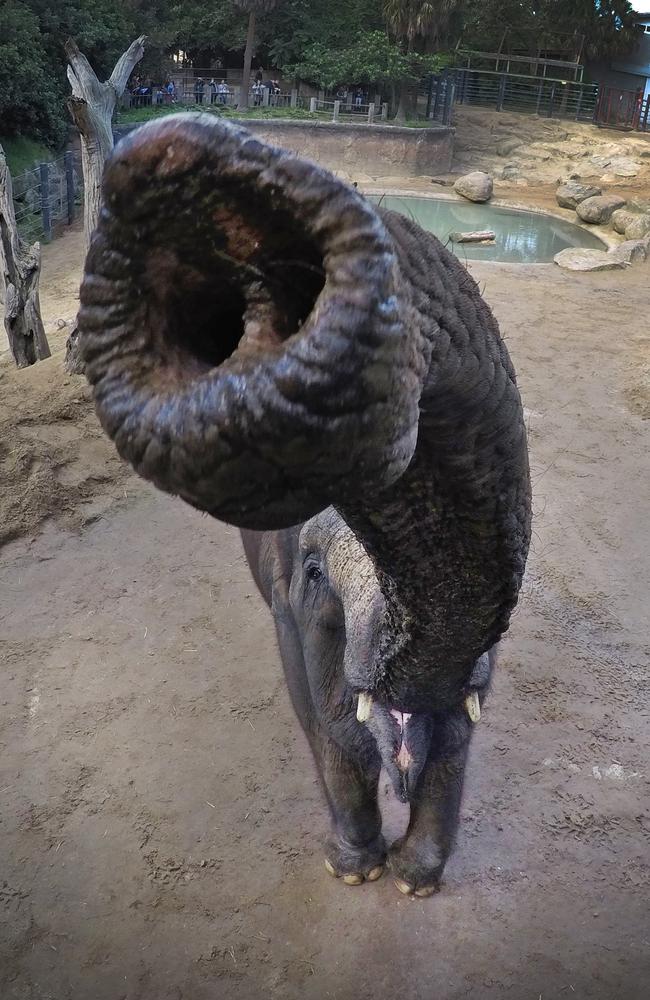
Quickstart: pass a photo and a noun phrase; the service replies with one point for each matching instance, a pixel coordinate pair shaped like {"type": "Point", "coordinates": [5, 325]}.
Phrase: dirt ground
{"type": "Point", "coordinates": [160, 822]}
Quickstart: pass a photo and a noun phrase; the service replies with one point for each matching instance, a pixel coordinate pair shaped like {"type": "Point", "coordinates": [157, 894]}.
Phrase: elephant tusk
{"type": "Point", "coordinates": [364, 706]}
{"type": "Point", "coordinates": [473, 706]}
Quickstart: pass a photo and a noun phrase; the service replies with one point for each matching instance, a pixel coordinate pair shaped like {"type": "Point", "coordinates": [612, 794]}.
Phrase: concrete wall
{"type": "Point", "coordinates": [378, 150]}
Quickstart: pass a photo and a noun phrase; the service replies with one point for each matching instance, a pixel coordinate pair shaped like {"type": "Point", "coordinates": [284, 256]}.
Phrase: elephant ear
{"type": "Point", "coordinates": [243, 323]}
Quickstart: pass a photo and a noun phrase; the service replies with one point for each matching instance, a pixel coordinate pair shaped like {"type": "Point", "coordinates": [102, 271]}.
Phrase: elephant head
{"type": "Point", "coordinates": [265, 343]}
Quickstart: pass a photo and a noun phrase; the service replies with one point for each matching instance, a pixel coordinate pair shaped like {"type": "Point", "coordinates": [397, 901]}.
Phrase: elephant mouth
{"type": "Point", "coordinates": [403, 740]}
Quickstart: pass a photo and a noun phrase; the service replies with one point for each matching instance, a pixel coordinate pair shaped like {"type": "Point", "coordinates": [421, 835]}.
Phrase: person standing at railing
{"type": "Point", "coordinates": [223, 92]}
{"type": "Point", "coordinates": [213, 88]}
{"type": "Point", "coordinates": [199, 87]}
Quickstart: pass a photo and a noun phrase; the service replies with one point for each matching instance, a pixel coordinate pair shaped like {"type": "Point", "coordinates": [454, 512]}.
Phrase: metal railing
{"type": "Point", "coordinates": [47, 196]}
{"type": "Point", "coordinates": [340, 111]}
{"type": "Point", "coordinates": [532, 95]}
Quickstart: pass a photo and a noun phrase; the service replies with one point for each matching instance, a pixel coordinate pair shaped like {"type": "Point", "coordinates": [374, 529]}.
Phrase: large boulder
{"type": "Point", "coordinates": [580, 259]}
{"type": "Point", "coordinates": [621, 219]}
{"type": "Point", "coordinates": [638, 228]}
{"type": "Point", "coordinates": [476, 186]}
{"type": "Point", "coordinates": [598, 210]}
{"type": "Point", "coordinates": [571, 194]}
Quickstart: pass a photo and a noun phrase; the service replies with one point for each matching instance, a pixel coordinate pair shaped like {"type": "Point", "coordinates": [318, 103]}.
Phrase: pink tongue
{"type": "Point", "coordinates": [403, 759]}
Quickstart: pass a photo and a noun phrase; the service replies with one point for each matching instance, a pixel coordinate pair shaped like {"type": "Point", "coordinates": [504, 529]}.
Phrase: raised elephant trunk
{"type": "Point", "coordinates": [264, 342]}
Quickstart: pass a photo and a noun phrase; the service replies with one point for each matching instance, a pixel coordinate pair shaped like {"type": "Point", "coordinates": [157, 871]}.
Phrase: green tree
{"type": "Point", "coordinates": [29, 102]}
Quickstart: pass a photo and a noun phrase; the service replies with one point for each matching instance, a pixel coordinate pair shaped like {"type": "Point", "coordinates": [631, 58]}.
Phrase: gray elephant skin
{"type": "Point", "coordinates": [268, 345]}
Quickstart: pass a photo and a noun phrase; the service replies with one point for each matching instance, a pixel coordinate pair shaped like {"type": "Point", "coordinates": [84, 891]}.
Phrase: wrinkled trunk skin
{"type": "Point", "coordinates": [283, 347]}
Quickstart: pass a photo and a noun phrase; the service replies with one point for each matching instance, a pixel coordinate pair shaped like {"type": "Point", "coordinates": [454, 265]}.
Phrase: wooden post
{"type": "Point", "coordinates": [68, 160]}
{"type": "Point", "coordinates": [371, 113]}
{"type": "Point", "coordinates": [20, 266]}
{"type": "Point", "coordinates": [294, 98]}
{"type": "Point", "coordinates": [312, 104]}
{"type": "Point", "coordinates": [337, 108]}
{"type": "Point", "coordinates": [46, 215]}
{"type": "Point", "coordinates": [384, 112]}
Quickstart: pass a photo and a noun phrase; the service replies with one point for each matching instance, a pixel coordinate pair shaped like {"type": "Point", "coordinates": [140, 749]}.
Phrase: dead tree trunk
{"type": "Point", "coordinates": [92, 105]}
{"type": "Point", "coordinates": [20, 266]}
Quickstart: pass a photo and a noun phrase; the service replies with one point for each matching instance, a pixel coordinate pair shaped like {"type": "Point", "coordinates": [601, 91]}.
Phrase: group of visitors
{"type": "Point", "coordinates": [259, 88]}
{"type": "Point", "coordinates": [218, 92]}
{"type": "Point", "coordinates": [143, 93]}
{"type": "Point", "coordinates": [352, 97]}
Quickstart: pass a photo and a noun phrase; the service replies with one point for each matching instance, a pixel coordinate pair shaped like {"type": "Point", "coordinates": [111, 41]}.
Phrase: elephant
{"type": "Point", "coordinates": [267, 344]}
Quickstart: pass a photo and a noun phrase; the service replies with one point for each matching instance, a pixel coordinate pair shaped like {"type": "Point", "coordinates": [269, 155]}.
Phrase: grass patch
{"type": "Point", "coordinates": [133, 116]}
{"type": "Point", "coordinates": [23, 153]}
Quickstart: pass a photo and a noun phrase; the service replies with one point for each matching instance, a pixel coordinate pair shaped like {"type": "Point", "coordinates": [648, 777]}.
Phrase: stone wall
{"type": "Point", "coordinates": [378, 150]}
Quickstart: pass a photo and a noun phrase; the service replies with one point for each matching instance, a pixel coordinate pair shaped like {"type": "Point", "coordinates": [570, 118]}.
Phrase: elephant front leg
{"type": "Point", "coordinates": [356, 850]}
{"type": "Point", "coordinates": [418, 860]}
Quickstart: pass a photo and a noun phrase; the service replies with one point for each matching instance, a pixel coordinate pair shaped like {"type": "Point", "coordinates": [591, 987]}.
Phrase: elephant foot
{"type": "Point", "coordinates": [413, 874]}
{"type": "Point", "coordinates": [354, 864]}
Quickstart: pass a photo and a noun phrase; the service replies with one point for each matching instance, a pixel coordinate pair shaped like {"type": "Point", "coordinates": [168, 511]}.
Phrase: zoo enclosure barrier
{"type": "Point", "coordinates": [340, 111]}
{"type": "Point", "coordinates": [47, 196]}
{"type": "Point", "coordinates": [518, 92]}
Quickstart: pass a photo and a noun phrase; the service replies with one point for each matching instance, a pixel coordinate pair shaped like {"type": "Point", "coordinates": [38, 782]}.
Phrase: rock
{"type": "Point", "coordinates": [476, 186]}
{"type": "Point", "coordinates": [621, 218]}
{"type": "Point", "coordinates": [639, 205]}
{"type": "Point", "coordinates": [509, 173]}
{"type": "Point", "coordinates": [629, 251]}
{"type": "Point", "coordinates": [599, 210]}
{"type": "Point", "coordinates": [624, 166]}
{"type": "Point", "coordinates": [638, 228]}
{"type": "Point", "coordinates": [579, 259]}
{"type": "Point", "coordinates": [572, 194]}
{"type": "Point", "coordinates": [507, 146]}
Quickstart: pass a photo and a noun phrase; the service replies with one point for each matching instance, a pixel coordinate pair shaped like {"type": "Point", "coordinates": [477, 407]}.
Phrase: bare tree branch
{"type": "Point", "coordinates": [124, 65]}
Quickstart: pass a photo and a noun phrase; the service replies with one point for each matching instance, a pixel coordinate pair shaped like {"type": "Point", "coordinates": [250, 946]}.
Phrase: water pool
{"type": "Point", "coordinates": [520, 237]}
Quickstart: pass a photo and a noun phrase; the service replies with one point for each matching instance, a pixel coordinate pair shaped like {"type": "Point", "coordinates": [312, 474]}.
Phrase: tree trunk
{"type": "Point", "coordinates": [20, 266]}
{"type": "Point", "coordinates": [248, 58]}
{"type": "Point", "coordinates": [404, 102]}
{"type": "Point", "coordinates": [91, 105]}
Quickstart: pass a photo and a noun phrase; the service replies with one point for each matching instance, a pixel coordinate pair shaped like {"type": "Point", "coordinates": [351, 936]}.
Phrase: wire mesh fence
{"type": "Point", "coordinates": [47, 196]}
{"type": "Point", "coordinates": [528, 94]}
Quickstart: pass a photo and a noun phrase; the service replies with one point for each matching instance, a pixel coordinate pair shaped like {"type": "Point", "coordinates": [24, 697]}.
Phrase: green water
{"type": "Point", "coordinates": [520, 237]}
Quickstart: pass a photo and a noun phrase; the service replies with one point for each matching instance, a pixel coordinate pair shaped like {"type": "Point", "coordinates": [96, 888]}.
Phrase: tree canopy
{"type": "Point", "coordinates": [327, 42]}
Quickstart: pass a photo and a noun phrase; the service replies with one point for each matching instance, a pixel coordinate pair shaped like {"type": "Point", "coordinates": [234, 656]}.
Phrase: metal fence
{"type": "Point", "coordinates": [532, 95]}
{"type": "Point", "coordinates": [47, 196]}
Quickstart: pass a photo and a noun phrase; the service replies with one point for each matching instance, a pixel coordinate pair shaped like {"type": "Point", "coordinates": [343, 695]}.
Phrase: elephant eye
{"type": "Point", "coordinates": [313, 572]}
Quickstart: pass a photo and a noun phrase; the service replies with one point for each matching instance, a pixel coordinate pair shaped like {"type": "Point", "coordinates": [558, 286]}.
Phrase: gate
{"type": "Point", "coordinates": [622, 109]}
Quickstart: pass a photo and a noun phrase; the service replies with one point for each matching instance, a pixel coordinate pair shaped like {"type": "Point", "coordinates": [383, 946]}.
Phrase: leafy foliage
{"type": "Point", "coordinates": [371, 58]}
{"type": "Point", "coordinates": [28, 101]}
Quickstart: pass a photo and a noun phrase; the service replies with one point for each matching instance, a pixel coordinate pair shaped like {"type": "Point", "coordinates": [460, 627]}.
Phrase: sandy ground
{"type": "Point", "coordinates": [160, 821]}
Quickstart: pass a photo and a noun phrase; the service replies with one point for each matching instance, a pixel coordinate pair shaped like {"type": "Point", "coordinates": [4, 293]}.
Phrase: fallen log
{"type": "Point", "coordinates": [480, 236]}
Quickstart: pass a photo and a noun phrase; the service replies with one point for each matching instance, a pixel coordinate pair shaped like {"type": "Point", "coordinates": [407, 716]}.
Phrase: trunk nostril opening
{"type": "Point", "coordinates": [195, 317]}
{"type": "Point", "coordinates": [226, 289]}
